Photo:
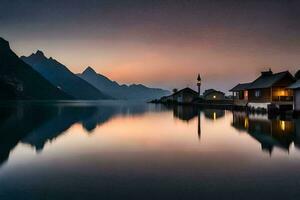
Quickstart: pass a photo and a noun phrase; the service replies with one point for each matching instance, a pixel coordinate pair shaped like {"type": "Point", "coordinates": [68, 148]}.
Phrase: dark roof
{"type": "Point", "coordinates": [186, 90]}
{"type": "Point", "coordinates": [240, 87]}
{"type": "Point", "coordinates": [295, 85]}
{"type": "Point", "coordinates": [266, 81]}
{"type": "Point", "coordinates": [209, 91]}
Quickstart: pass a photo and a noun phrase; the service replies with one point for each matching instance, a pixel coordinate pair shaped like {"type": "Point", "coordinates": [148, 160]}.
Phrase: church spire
{"type": "Point", "coordinates": [199, 84]}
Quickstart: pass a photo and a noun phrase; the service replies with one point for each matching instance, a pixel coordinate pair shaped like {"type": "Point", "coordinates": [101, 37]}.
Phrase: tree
{"type": "Point", "coordinates": [175, 90]}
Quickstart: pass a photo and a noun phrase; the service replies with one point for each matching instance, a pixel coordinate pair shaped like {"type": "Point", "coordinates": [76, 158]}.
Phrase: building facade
{"type": "Point", "coordinates": [213, 95]}
{"type": "Point", "coordinates": [268, 89]}
{"type": "Point", "coordinates": [296, 88]}
{"type": "Point", "coordinates": [240, 94]}
{"type": "Point", "coordinates": [186, 95]}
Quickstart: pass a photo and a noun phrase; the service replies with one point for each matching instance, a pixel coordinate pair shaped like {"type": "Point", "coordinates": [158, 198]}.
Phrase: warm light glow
{"type": "Point", "coordinates": [282, 125]}
{"type": "Point", "coordinates": [214, 96]}
{"type": "Point", "coordinates": [246, 123]}
{"type": "Point", "coordinates": [282, 93]}
{"type": "Point", "coordinates": [214, 115]}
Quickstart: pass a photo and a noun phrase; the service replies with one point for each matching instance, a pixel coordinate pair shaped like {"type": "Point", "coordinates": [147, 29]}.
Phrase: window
{"type": "Point", "coordinates": [257, 93]}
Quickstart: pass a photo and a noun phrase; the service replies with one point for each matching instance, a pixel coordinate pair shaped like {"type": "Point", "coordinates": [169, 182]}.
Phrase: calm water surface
{"type": "Point", "coordinates": [130, 150]}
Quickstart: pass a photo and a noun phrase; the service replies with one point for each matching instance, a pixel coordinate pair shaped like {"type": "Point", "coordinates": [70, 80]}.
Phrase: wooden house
{"type": "Point", "coordinates": [296, 88]}
{"type": "Point", "coordinates": [186, 95]}
{"type": "Point", "coordinates": [213, 95]}
{"type": "Point", "coordinates": [240, 94]}
{"type": "Point", "coordinates": [268, 89]}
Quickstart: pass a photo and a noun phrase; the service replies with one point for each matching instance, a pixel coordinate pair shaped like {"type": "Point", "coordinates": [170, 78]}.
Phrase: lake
{"type": "Point", "coordinates": [133, 150]}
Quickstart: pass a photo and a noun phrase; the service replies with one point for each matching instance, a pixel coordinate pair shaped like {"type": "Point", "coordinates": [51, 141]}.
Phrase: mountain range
{"type": "Point", "coordinates": [114, 89]}
{"type": "Point", "coordinates": [38, 77]}
{"type": "Point", "coordinates": [18, 80]}
{"type": "Point", "coordinates": [60, 76]}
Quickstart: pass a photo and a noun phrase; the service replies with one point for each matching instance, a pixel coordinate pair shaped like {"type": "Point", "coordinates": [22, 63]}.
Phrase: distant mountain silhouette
{"type": "Point", "coordinates": [62, 77]}
{"type": "Point", "coordinates": [115, 90]}
{"type": "Point", "coordinates": [19, 81]}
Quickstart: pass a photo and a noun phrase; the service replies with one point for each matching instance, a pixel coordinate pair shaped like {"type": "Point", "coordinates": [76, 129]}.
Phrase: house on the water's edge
{"type": "Point", "coordinates": [268, 89]}
{"type": "Point", "coordinates": [212, 94]}
{"type": "Point", "coordinates": [186, 95]}
{"type": "Point", "coordinates": [240, 94]}
{"type": "Point", "coordinates": [296, 88]}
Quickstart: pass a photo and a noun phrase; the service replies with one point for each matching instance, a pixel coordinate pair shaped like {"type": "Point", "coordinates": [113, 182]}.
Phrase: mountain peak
{"type": "Point", "coordinates": [89, 70]}
{"type": "Point", "coordinates": [39, 53]}
{"type": "Point", "coordinates": [4, 44]}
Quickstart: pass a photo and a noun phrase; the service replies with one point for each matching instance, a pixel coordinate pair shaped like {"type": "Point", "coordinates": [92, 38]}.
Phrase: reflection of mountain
{"type": "Point", "coordinates": [104, 113]}
{"type": "Point", "coordinates": [63, 119]}
{"type": "Point", "coordinates": [16, 123]}
{"type": "Point", "coordinates": [270, 133]}
{"type": "Point", "coordinates": [39, 123]}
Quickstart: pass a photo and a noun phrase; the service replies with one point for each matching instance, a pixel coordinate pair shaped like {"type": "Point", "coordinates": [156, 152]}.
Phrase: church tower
{"type": "Point", "coordinates": [199, 84]}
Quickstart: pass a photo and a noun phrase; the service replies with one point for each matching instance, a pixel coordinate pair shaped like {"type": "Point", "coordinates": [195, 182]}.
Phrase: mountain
{"type": "Point", "coordinates": [115, 90]}
{"type": "Point", "coordinates": [60, 76]}
{"type": "Point", "coordinates": [19, 81]}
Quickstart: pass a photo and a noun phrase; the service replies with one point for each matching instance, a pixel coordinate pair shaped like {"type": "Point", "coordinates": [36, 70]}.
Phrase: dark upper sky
{"type": "Point", "coordinates": [161, 43]}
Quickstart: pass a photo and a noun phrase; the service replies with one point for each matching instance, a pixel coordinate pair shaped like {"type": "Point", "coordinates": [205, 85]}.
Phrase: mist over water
{"type": "Point", "coordinates": [133, 150]}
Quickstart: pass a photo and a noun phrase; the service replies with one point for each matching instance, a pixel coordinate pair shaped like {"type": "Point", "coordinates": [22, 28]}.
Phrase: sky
{"type": "Point", "coordinates": [160, 43]}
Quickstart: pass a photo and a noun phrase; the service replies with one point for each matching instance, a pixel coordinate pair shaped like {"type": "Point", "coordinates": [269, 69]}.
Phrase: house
{"type": "Point", "coordinates": [296, 88]}
{"type": "Point", "coordinates": [268, 89]}
{"type": "Point", "coordinates": [240, 94]}
{"type": "Point", "coordinates": [186, 95]}
{"type": "Point", "coordinates": [212, 94]}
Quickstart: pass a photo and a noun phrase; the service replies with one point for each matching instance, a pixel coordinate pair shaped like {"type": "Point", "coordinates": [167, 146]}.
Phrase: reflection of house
{"type": "Point", "coordinates": [297, 129]}
{"type": "Point", "coordinates": [267, 89]}
{"type": "Point", "coordinates": [214, 113]}
{"type": "Point", "coordinates": [296, 88]}
{"type": "Point", "coordinates": [185, 113]}
{"type": "Point", "coordinates": [270, 133]}
{"type": "Point", "coordinates": [186, 95]}
{"type": "Point", "coordinates": [212, 94]}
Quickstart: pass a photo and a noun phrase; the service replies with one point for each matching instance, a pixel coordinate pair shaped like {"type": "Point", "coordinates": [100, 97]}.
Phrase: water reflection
{"type": "Point", "coordinates": [270, 133]}
{"type": "Point", "coordinates": [38, 123]}
{"type": "Point", "coordinates": [115, 150]}
{"type": "Point", "coordinates": [214, 114]}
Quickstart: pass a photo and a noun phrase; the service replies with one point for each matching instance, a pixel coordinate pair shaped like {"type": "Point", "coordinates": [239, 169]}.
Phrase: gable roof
{"type": "Point", "coordinates": [186, 90]}
{"type": "Point", "coordinates": [240, 87]}
{"type": "Point", "coordinates": [295, 85]}
{"type": "Point", "coordinates": [209, 91]}
{"type": "Point", "coordinates": [266, 81]}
